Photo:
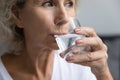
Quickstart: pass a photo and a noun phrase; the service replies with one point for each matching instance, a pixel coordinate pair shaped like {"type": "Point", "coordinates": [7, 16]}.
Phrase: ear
{"type": "Point", "coordinates": [17, 16]}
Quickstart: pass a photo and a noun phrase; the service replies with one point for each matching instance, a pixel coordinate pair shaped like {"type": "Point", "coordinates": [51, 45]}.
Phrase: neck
{"type": "Point", "coordinates": [40, 60]}
{"type": "Point", "coordinates": [39, 56]}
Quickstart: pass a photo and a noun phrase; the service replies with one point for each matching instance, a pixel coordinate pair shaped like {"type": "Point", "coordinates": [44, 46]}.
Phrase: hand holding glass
{"type": "Point", "coordinates": [66, 42]}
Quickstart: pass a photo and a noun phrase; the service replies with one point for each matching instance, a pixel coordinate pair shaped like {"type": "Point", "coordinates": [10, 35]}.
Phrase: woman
{"type": "Point", "coordinates": [27, 32]}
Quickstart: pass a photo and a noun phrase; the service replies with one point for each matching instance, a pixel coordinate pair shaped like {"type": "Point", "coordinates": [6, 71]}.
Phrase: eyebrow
{"type": "Point", "coordinates": [36, 1]}
{"type": "Point", "coordinates": [40, 1]}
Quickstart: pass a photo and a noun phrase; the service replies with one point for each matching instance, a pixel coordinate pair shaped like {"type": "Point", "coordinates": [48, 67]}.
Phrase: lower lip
{"type": "Point", "coordinates": [51, 37]}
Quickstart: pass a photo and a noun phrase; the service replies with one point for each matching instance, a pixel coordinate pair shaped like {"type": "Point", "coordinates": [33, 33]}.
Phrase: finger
{"type": "Point", "coordinates": [62, 54]}
{"type": "Point", "coordinates": [94, 42]}
{"type": "Point", "coordinates": [91, 63]}
{"type": "Point", "coordinates": [90, 32]}
{"type": "Point", "coordinates": [87, 57]}
{"type": "Point", "coordinates": [76, 50]}
{"type": "Point", "coordinates": [72, 50]}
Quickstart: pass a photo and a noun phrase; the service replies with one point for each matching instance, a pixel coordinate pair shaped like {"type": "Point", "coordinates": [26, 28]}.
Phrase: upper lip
{"type": "Point", "coordinates": [62, 21]}
{"type": "Point", "coordinates": [58, 23]}
{"type": "Point", "coordinates": [52, 34]}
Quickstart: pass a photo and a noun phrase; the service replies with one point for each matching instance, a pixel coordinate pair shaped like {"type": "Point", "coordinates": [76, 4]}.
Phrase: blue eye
{"type": "Point", "coordinates": [69, 4]}
{"type": "Point", "coordinates": [48, 4]}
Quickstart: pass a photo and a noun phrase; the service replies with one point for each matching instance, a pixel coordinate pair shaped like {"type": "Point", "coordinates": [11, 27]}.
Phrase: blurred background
{"type": "Point", "coordinates": [104, 17]}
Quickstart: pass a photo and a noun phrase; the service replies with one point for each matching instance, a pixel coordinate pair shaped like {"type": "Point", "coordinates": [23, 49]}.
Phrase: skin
{"type": "Point", "coordinates": [41, 20]}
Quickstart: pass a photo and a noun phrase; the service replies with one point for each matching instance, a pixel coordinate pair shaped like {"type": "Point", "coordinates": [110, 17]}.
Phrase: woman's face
{"type": "Point", "coordinates": [42, 19]}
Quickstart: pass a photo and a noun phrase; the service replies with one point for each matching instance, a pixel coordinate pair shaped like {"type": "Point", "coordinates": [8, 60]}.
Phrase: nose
{"type": "Point", "coordinates": [61, 16]}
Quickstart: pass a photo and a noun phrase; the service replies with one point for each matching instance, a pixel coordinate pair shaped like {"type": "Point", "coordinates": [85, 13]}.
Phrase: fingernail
{"type": "Point", "coordinates": [75, 52]}
{"type": "Point", "coordinates": [70, 58]}
{"type": "Point", "coordinates": [79, 41]}
{"type": "Point", "coordinates": [77, 30]}
{"type": "Point", "coordinates": [61, 55]}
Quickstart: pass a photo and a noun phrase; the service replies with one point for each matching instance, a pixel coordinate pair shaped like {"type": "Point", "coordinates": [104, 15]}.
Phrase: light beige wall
{"type": "Point", "coordinates": [103, 15]}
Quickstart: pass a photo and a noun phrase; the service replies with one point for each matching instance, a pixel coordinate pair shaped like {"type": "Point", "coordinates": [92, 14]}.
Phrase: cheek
{"type": "Point", "coordinates": [38, 19]}
{"type": "Point", "coordinates": [37, 25]}
{"type": "Point", "coordinates": [72, 13]}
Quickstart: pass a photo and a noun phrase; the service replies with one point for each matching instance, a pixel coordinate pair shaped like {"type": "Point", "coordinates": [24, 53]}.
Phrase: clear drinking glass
{"type": "Point", "coordinates": [66, 42]}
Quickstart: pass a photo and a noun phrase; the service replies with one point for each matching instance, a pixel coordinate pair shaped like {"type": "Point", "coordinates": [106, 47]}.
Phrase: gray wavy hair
{"type": "Point", "coordinates": [11, 37]}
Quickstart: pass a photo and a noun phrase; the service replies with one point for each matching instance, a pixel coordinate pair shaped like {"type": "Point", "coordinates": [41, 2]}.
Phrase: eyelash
{"type": "Point", "coordinates": [69, 4]}
{"type": "Point", "coordinates": [48, 4]}
{"type": "Point", "coordinates": [51, 4]}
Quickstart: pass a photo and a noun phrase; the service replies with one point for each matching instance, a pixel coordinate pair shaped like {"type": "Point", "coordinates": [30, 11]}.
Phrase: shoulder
{"type": "Point", "coordinates": [3, 72]}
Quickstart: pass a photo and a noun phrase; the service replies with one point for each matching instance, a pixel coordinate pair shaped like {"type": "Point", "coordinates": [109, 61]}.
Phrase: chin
{"type": "Point", "coordinates": [54, 46]}
{"type": "Point", "coordinates": [51, 42]}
